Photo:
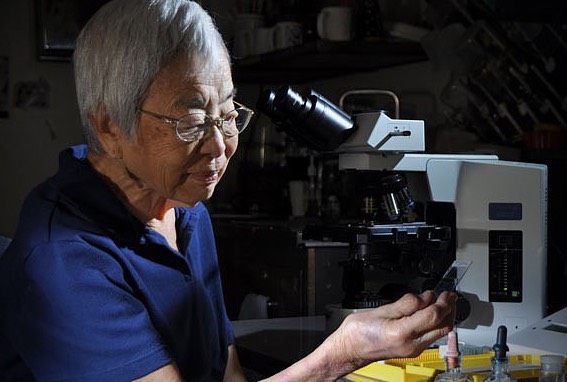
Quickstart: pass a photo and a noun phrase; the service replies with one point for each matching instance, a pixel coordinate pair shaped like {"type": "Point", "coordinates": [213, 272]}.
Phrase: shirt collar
{"type": "Point", "coordinates": [84, 191]}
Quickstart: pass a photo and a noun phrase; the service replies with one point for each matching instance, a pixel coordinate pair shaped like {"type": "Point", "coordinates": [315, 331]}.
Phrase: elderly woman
{"type": "Point", "coordinates": [113, 275]}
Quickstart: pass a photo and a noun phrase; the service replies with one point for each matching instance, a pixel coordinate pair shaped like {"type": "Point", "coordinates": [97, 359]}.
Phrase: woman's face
{"type": "Point", "coordinates": [187, 172]}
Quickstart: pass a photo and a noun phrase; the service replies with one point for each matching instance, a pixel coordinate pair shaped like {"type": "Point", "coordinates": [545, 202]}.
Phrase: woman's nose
{"type": "Point", "coordinates": [213, 142]}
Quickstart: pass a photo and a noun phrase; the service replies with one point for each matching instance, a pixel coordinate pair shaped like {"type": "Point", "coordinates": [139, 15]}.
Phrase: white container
{"type": "Point", "coordinates": [552, 368]}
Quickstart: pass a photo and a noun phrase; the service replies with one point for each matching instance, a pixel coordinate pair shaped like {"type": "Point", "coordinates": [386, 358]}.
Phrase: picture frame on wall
{"type": "Point", "coordinates": [58, 25]}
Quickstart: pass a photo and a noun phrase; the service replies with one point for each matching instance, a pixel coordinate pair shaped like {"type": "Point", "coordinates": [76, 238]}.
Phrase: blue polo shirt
{"type": "Point", "coordinates": [89, 293]}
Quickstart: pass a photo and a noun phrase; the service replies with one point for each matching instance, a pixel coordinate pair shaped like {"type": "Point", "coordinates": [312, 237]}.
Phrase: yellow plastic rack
{"type": "Point", "coordinates": [425, 367]}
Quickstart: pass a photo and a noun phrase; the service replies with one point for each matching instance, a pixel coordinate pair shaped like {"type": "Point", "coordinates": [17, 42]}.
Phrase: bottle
{"type": "Point", "coordinates": [552, 368]}
{"type": "Point", "coordinates": [453, 372]}
{"type": "Point", "coordinates": [499, 372]}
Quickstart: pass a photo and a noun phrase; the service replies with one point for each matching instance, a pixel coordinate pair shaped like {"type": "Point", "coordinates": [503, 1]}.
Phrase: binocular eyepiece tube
{"type": "Point", "coordinates": [310, 117]}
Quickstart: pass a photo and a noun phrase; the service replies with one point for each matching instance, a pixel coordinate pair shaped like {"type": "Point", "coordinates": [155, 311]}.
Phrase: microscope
{"type": "Point", "coordinates": [420, 212]}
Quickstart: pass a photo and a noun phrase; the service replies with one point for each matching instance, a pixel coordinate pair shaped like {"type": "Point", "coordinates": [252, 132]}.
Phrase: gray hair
{"type": "Point", "coordinates": [125, 45]}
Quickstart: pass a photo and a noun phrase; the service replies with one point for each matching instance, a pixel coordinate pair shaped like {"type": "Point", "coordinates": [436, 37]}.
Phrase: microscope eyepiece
{"type": "Point", "coordinates": [289, 101]}
{"type": "Point", "coordinates": [309, 117]}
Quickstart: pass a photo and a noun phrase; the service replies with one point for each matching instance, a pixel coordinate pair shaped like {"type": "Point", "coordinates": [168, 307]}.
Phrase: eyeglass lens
{"type": "Point", "coordinates": [195, 126]}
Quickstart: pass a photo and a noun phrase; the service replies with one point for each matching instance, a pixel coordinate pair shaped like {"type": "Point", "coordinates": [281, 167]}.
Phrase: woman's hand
{"type": "Point", "coordinates": [402, 329]}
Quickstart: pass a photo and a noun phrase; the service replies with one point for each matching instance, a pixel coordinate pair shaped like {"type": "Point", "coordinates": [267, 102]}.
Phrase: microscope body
{"type": "Point", "coordinates": [475, 207]}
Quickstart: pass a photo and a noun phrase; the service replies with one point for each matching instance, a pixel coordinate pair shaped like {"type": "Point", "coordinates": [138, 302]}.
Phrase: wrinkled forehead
{"type": "Point", "coordinates": [195, 77]}
{"type": "Point", "coordinates": [209, 68]}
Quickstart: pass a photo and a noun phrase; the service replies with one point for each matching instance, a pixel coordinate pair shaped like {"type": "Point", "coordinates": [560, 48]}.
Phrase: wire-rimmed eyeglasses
{"type": "Point", "coordinates": [195, 126]}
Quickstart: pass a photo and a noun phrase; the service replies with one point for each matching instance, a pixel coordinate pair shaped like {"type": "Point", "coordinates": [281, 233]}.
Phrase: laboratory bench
{"type": "Point", "coordinates": [267, 346]}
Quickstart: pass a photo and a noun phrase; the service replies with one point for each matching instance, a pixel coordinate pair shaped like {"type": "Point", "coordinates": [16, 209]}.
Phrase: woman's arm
{"type": "Point", "coordinates": [170, 373]}
{"type": "Point", "coordinates": [167, 373]}
{"type": "Point", "coordinates": [401, 329]}
{"type": "Point", "coordinates": [233, 371]}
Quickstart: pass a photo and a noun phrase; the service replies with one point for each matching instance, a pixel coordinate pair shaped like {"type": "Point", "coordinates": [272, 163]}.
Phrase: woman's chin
{"type": "Point", "coordinates": [191, 199]}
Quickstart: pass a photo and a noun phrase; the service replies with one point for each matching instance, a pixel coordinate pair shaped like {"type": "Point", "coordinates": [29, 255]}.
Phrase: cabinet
{"type": "Point", "coordinates": [319, 59]}
{"type": "Point", "coordinates": [267, 257]}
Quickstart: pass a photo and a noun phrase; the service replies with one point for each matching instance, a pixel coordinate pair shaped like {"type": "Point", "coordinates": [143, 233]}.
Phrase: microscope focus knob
{"type": "Point", "coordinates": [463, 309]}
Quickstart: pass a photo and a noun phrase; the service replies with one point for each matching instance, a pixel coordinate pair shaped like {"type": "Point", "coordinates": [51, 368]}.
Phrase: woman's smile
{"type": "Point", "coordinates": [204, 177]}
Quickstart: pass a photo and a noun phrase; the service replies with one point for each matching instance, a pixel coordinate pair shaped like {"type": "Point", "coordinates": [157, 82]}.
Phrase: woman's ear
{"type": "Point", "coordinates": [108, 133]}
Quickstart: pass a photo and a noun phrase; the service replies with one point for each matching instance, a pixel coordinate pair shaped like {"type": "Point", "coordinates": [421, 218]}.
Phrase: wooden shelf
{"type": "Point", "coordinates": [321, 59]}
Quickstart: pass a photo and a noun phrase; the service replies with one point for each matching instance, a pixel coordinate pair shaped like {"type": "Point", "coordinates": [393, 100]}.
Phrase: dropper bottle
{"type": "Point", "coordinates": [453, 372]}
{"type": "Point", "coordinates": [499, 372]}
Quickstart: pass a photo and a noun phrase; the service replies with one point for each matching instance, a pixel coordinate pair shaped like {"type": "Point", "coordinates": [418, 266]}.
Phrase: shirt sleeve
{"type": "Point", "coordinates": [80, 319]}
